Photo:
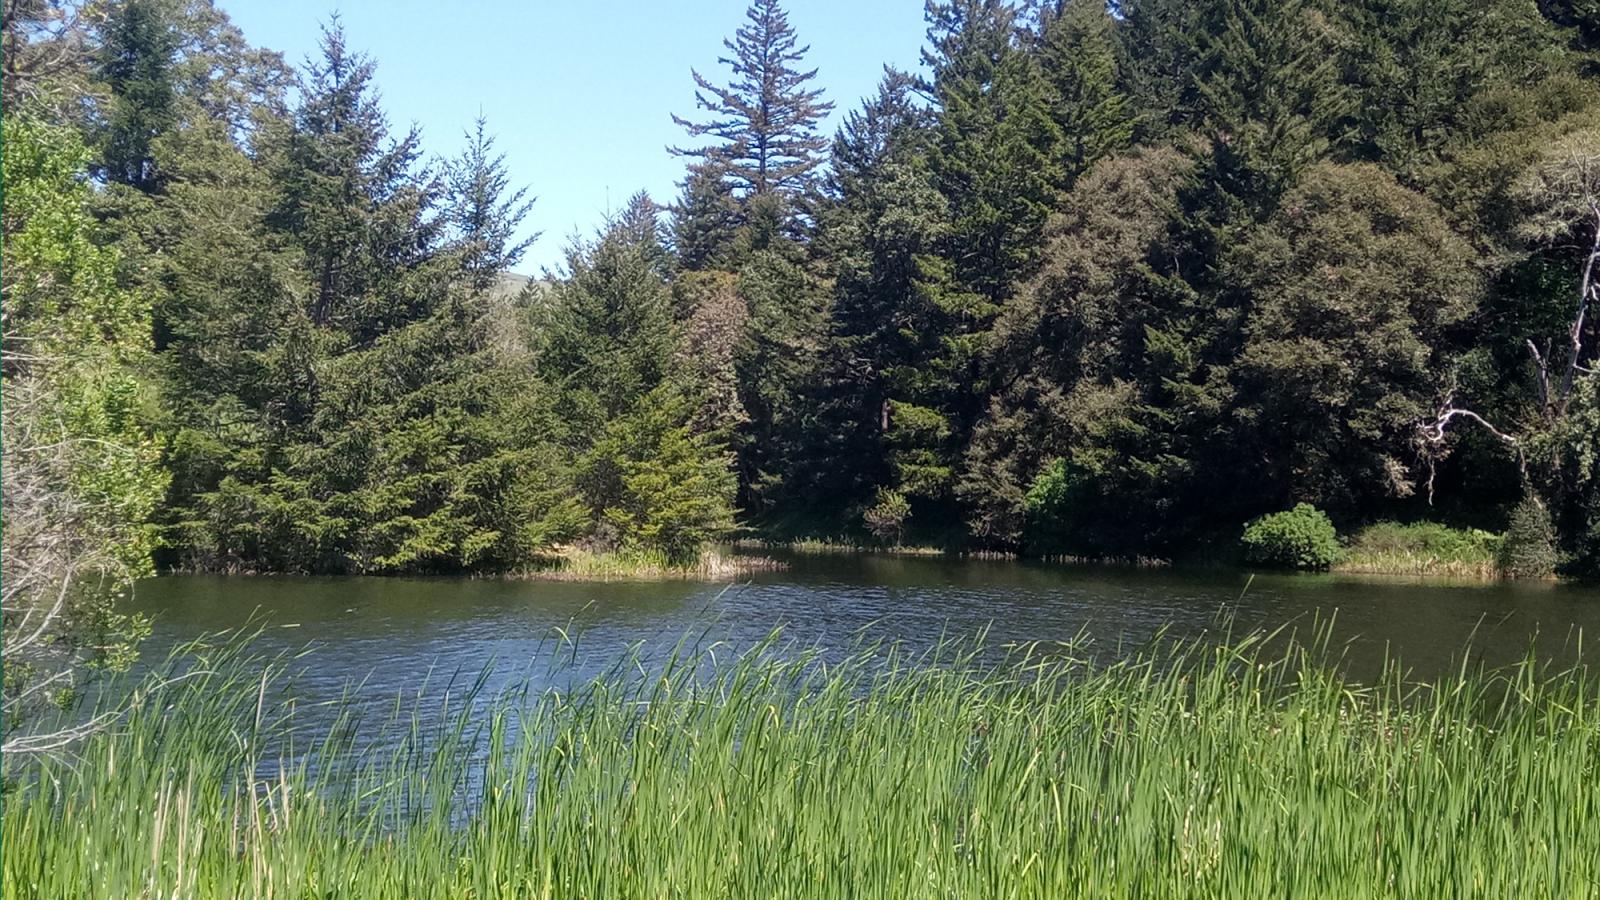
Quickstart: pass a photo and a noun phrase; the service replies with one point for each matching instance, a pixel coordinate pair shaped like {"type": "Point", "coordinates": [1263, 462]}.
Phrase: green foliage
{"type": "Point", "coordinates": [1298, 538]}
{"type": "Point", "coordinates": [659, 484]}
{"type": "Point", "coordinates": [137, 53]}
{"type": "Point", "coordinates": [1579, 441]}
{"type": "Point", "coordinates": [1050, 508]}
{"type": "Point", "coordinates": [1529, 549]}
{"type": "Point", "coordinates": [1422, 548]}
{"type": "Point", "coordinates": [82, 473]}
{"type": "Point", "coordinates": [766, 148]}
{"type": "Point", "coordinates": [1353, 286]}
{"type": "Point", "coordinates": [1104, 280]}
{"type": "Point", "coordinates": [1234, 748]}
{"type": "Point", "coordinates": [1078, 56]}
{"type": "Point", "coordinates": [886, 518]}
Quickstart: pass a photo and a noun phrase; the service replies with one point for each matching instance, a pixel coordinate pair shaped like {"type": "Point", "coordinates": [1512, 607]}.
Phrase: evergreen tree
{"type": "Point", "coordinates": [352, 197]}
{"type": "Point", "coordinates": [138, 49]}
{"type": "Point", "coordinates": [1431, 74]}
{"type": "Point", "coordinates": [609, 334]}
{"type": "Point", "coordinates": [765, 119]}
{"type": "Point", "coordinates": [610, 346]}
{"type": "Point", "coordinates": [483, 211]}
{"type": "Point", "coordinates": [1078, 56]}
{"type": "Point", "coordinates": [883, 216]}
{"type": "Point", "coordinates": [1160, 54]}
{"type": "Point", "coordinates": [991, 159]}
{"type": "Point", "coordinates": [1085, 394]}
{"type": "Point", "coordinates": [705, 220]}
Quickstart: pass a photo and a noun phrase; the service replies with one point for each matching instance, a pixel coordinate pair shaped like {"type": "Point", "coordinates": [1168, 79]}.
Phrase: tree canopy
{"type": "Point", "coordinates": [1107, 280]}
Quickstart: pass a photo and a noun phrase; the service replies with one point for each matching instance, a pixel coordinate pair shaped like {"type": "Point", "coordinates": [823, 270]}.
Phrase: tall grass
{"type": "Point", "coordinates": [713, 564]}
{"type": "Point", "coordinates": [1185, 771]}
{"type": "Point", "coordinates": [1422, 548]}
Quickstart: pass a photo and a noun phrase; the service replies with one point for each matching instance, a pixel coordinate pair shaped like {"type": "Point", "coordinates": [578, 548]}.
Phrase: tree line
{"type": "Point", "coordinates": [1099, 280]}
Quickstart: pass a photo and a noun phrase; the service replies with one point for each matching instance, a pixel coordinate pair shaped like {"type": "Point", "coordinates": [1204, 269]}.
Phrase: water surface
{"type": "Point", "coordinates": [388, 634]}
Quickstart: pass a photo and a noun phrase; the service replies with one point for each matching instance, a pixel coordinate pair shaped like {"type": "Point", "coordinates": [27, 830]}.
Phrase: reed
{"type": "Point", "coordinates": [1422, 548]}
{"type": "Point", "coordinates": [713, 564]}
{"type": "Point", "coordinates": [1183, 771]}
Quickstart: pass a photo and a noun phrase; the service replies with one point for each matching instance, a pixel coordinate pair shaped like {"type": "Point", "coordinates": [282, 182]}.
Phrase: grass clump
{"type": "Point", "coordinates": [1422, 548]}
{"type": "Point", "coordinates": [1298, 538]}
{"type": "Point", "coordinates": [1186, 771]}
{"type": "Point", "coordinates": [576, 564]}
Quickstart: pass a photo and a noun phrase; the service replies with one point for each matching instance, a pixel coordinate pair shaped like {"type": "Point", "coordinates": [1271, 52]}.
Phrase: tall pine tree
{"type": "Point", "coordinates": [764, 121]}
{"type": "Point", "coordinates": [483, 211]}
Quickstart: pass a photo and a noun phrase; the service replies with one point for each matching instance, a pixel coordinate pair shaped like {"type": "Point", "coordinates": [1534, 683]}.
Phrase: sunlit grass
{"type": "Point", "coordinates": [713, 564]}
{"type": "Point", "coordinates": [1422, 548]}
{"type": "Point", "coordinates": [1186, 771]}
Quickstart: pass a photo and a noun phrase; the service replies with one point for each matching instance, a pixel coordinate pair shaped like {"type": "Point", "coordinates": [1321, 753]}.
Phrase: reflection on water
{"type": "Point", "coordinates": [387, 633]}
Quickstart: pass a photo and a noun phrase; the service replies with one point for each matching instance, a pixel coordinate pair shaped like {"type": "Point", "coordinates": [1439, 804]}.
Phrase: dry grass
{"type": "Point", "coordinates": [713, 564]}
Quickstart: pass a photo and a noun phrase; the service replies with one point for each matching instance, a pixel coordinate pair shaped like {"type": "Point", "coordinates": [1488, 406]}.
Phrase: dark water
{"type": "Point", "coordinates": [388, 634]}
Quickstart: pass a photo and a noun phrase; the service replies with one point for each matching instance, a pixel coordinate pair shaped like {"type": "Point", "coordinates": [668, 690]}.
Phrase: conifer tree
{"type": "Point", "coordinates": [883, 215]}
{"type": "Point", "coordinates": [139, 44]}
{"type": "Point", "coordinates": [705, 220]}
{"type": "Point", "coordinates": [1078, 55]}
{"type": "Point", "coordinates": [764, 121]}
{"type": "Point", "coordinates": [350, 195]}
{"type": "Point", "coordinates": [991, 158]}
{"type": "Point", "coordinates": [611, 348]}
{"type": "Point", "coordinates": [610, 333]}
{"type": "Point", "coordinates": [483, 211]}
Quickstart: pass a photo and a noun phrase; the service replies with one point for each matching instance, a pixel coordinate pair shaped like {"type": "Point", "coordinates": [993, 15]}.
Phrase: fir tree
{"type": "Point", "coordinates": [765, 119]}
{"type": "Point", "coordinates": [138, 49]}
{"type": "Point", "coordinates": [705, 220]}
{"type": "Point", "coordinates": [483, 211]}
{"type": "Point", "coordinates": [1078, 56]}
{"type": "Point", "coordinates": [351, 196]}
{"type": "Point", "coordinates": [610, 334]}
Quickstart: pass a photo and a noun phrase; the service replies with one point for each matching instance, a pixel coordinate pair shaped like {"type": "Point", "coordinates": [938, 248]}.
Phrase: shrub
{"type": "Point", "coordinates": [1299, 538]}
{"type": "Point", "coordinates": [886, 519]}
{"type": "Point", "coordinates": [1048, 508]}
{"type": "Point", "coordinates": [1529, 550]}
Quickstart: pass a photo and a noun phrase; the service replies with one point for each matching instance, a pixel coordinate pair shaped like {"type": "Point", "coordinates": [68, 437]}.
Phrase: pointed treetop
{"type": "Point", "coordinates": [765, 119]}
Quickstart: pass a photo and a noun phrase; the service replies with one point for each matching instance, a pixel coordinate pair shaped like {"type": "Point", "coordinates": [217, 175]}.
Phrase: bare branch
{"type": "Point", "coordinates": [1434, 432]}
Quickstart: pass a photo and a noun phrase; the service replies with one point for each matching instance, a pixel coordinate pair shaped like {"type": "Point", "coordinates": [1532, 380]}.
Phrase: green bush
{"type": "Point", "coordinates": [886, 519]}
{"type": "Point", "coordinates": [1529, 550]}
{"type": "Point", "coordinates": [1299, 538]}
{"type": "Point", "coordinates": [1049, 509]}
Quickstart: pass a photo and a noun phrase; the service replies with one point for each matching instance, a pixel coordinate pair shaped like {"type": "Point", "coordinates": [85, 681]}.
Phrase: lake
{"type": "Point", "coordinates": [388, 634]}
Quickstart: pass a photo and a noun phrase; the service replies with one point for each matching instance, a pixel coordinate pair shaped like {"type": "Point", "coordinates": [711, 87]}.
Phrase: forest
{"type": "Point", "coordinates": [1104, 281]}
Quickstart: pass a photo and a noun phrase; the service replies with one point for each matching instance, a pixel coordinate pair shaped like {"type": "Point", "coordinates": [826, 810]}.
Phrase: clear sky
{"type": "Point", "coordinates": [579, 94]}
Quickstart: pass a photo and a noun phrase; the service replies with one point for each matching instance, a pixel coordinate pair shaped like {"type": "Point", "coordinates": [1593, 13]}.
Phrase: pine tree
{"type": "Point", "coordinates": [351, 196]}
{"type": "Point", "coordinates": [139, 44]}
{"type": "Point", "coordinates": [610, 334]}
{"type": "Point", "coordinates": [1160, 53]}
{"type": "Point", "coordinates": [1078, 55]}
{"type": "Point", "coordinates": [765, 119]}
{"type": "Point", "coordinates": [991, 157]}
{"type": "Point", "coordinates": [883, 215]}
{"type": "Point", "coordinates": [611, 348]}
{"type": "Point", "coordinates": [705, 220]}
{"type": "Point", "coordinates": [483, 211]}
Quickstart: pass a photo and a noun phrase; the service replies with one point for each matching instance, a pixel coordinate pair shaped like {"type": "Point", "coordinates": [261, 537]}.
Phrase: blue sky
{"type": "Point", "coordinates": [578, 94]}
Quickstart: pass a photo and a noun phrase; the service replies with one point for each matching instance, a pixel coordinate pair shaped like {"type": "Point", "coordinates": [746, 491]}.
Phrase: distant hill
{"type": "Point", "coordinates": [510, 284]}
